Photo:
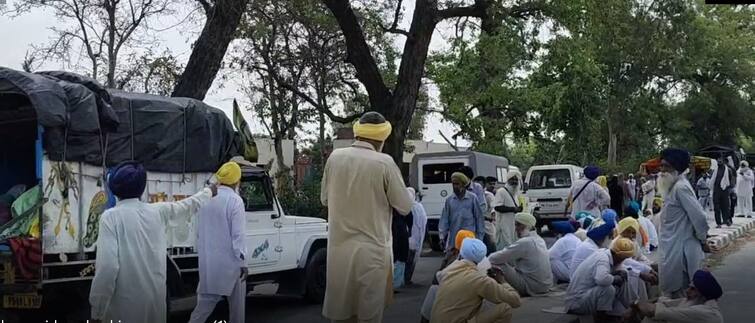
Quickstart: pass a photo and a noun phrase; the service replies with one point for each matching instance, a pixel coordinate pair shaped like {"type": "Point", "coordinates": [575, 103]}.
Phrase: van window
{"type": "Point", "coordinates": [550, 178]}
{"type": "Point", "coordinates": [501, 174]}
{"type": "Point", "coordinates": [439, 173]}
{"type": "Point", "coordinates": [256, 195]}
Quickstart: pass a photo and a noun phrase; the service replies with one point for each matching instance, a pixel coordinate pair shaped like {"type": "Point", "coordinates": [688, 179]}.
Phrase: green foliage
{"type": "Point", "coordinates": [304, 200]}
{"type": "Point", "coordinates": [616, 76]}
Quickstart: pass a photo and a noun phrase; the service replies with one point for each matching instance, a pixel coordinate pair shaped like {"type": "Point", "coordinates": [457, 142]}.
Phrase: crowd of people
{"type": "Point", "coordinates": [493, 254]}
{"type": "Point", "coordinates": [726, 191]}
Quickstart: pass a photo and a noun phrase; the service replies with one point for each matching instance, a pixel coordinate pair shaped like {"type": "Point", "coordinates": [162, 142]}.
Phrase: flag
{"type": "Point", "coordinates": [250, 147]}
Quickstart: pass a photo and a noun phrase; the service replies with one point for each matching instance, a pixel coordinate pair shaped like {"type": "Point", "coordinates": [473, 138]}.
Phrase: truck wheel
{"type": "Point", "coordinates": [316, 276]}
{"type": "Point", "coordinates": [435, 243]}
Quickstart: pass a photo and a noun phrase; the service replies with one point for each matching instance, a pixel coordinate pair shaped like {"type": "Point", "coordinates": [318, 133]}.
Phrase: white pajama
{"type": "Point", "coordinates": [236, 305]}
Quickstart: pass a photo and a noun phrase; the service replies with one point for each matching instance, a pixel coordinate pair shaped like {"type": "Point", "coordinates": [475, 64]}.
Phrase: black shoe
{"type": "Point", "coordinates": [718, 226]}
{"type": "Point", "coordinates": [749, 216]}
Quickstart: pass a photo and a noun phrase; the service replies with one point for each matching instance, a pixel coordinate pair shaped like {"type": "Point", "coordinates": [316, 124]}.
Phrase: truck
{"type": "Point", "coordinates": [63, 132]}
{"type": "Point", "coordinates": [430, 175]}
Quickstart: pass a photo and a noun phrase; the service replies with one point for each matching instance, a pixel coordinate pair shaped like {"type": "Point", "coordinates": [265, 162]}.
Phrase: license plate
{"type": "Point", "coordinates": [22, 301]}
{"type": "Point", "coordinates": [550, 205]}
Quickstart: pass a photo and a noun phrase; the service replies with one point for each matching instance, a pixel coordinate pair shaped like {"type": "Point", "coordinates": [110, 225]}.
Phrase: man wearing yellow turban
{"type": "Point", "coordinates": [637, 265]}
{"type": "Point", "coordinates": [599, 287]}
{"type": "Point", "coordinates": [361, 187]}
{"type": "Point", "coordinates": [222, 249]}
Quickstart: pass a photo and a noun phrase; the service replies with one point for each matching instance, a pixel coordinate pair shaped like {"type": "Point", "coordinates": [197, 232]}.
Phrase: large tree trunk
{"type": "Point", "coordinates": [209, 50]}
{"type": "Point", "coordinates": [612, 143]}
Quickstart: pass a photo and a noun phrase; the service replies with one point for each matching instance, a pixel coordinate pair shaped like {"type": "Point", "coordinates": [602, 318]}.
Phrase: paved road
{"type": "Point", "coordinates": [733, 269]}
{"type": "Point", "coordinates": [405, 308]}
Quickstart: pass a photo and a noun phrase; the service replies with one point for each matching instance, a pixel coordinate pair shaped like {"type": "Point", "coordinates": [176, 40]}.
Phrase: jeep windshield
{"type": "Point", "coordinates": [550, 179]}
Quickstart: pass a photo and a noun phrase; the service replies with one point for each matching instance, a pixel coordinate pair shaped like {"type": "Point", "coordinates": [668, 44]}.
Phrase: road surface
{"type": "Point", "coordinates": [732, 268]}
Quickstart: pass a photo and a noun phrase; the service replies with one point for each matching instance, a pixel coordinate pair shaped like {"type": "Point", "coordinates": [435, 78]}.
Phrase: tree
{"type": "Point", "coordinates": [223, 18]}
{"type": "Point", "coordinates": [102, 28]}
{"type": "Point", "coordinates": [149, 73]}
{"type": "Point", "coordinates": [397, 102]}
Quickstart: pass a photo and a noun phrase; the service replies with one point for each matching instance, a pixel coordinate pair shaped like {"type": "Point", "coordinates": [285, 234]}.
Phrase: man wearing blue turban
{"type": "Point", "coordinates": [587, 195]}
{"type": "Point", "coordinates": [684, 228]}
{"type": "Point", "coordinates": [562, 252]}
{"type": "Point", "coordinates": [129, 279]}
{"type": "Point", "coordinates": [464, 288]}
{"type": "Point", "coordinates": [700, 305]}
{"type": "Point", "coordinates": [597, 238]}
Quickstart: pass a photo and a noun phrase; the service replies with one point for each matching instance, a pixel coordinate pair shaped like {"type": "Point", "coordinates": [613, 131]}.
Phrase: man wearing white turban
{"type": "Point", "coordinates": [506, 205]}
{"type": "Point", "coordinates": [525, 263]}
{"type": "Point", "coordinates": [460, 297]}
{"type": "Point", "coordinates": [361, 187]}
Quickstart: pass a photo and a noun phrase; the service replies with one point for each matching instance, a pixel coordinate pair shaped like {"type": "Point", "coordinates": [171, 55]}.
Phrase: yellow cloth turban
{"type": "Point", "coordinates": [377, 132]}
{"type": "Point", "coordinates": [627, 223]}
{"type": "Point", "coordinates": [229, 173]}
{"type": "Point", "coordinates": [459, 176]}
{"type": "Point", "coordinates": [526, 219]}
{"type": "Point", "coordinates": [603, 181]}
{"type": "Point", "coordinates": [460, 236]}
{"type": "Point", "coordinates": [623, 247]}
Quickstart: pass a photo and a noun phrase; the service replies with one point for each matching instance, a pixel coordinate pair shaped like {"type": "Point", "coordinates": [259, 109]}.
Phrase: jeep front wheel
{"type": "Point", "coordinates": [316, 276]}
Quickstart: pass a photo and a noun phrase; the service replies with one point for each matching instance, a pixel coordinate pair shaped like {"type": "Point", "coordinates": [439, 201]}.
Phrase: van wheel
{"type": "Point", "coordinates": [316, 273]}
{"type": "Point", "coordinates": [435, 243]}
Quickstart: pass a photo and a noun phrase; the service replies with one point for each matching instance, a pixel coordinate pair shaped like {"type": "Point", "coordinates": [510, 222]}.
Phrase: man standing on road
{"type": "Point", "coordinates": [129, 279]}
{"type": "Point", "coordinates": [461, 211]}
{"type": "Point", "coordinates": [460, 297]}
{"type": "Point", "coordinates": [721, 189]}
{"type": "Point", "coordinates": [632, 186]}
{"type": "Point", "coordinates": [222, 249]}
{"type": "Point", "coordinates": [488, 239]}
{"type": "Point", "coordinates": [745, 182]}
{"type": "Point", "coordinates": [684, 229]}
{"type": "Point", "coordinates": [417, 238]}
{"type": "Point", "coordinates": [703, 191]}
{"type": "Point", "coordinates": [474, 187]}
{"type": "Point", "coordinates": [587, 195]}
{"type": "Point", "coordinates": [361, 187]}
{"type": "Point", "coordinates": [506, 206]}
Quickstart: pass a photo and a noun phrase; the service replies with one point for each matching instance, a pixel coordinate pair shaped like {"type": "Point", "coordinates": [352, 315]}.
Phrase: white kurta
{"type": "Point", "coordinates": [745, 182]}
{"type": "Point", "coordinates": [361, 187]}
{"type": "Point", "coordinates": [221, 245]}
{"type": "Point", "coordinates": [561, 254]}
{"type": "Point", "coordinates": [526, 265]}
{"type": "Point", "coordinates": [684, 229]}
{"type": "Point", "coordinates": [591, 287]}
{"type": "Point", "coordinates": [505, 233]}
{"type": "Point", "coordinates": [584, 249]}
{"type": "Point", "coordinates": [648, 191]}
{"type": "Point", "coordinates": [650, 229]}
{"type": "Point", "coordinates": [590, 200]}
{"type": "Point", "coordinates": [684, 311]}
{"type": "Point", "coordinates": [129, 280]}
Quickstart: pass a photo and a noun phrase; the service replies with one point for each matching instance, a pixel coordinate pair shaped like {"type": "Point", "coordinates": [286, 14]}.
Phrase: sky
{"type": "Point", "coordinates": [19, 33]}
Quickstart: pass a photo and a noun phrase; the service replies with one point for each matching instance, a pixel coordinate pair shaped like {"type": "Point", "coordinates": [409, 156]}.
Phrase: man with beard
{"type": "Point", "coordinates": [525, 263]}
{"type": "Point", "coordinates": [597, 238]}
{"type": "Point", "coordinates": [700, 306]}
{"type": "Point", "coordinates": [684, 229]}
{"type": "Point", "coordinates": [745, 180]}
{"type": "Point", "coordinates": [506, 206]}
{"type": "Point", "coordinates": [461, 212]}
{"type": "Point", "coordinates": [648, 194]}
{"type": "Point", "coordinates": [587, 195]}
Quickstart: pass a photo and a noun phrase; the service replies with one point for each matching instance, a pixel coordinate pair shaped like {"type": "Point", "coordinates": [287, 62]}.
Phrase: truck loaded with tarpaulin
{"type": "Point", "coordinates": [60, 133]}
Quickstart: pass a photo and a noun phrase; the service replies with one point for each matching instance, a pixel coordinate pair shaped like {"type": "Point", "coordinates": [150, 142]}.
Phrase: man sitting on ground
{"type": "Point", "coordinates": [562, 251]}
{"type": "Point", "coordinates": [700, 306]}
{"type": "Point", "coordinates": [598, 237]}
{"type": "Point", "coordinates": [597, 286]}
{"type": "Point", "coordinates": [525, 263]}
{"type": "Point", "coordinates": [460, 296]}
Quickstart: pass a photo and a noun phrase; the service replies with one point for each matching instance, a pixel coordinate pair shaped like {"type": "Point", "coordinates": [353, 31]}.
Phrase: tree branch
{"type": "Point", "coordinates": [475, 10]}
{"type": "Point", "coordinates": [394, 26]}
{"type": "Point", "coordinates": [325, 110]}
{"type": "Point", "coordinates": [359, 55]}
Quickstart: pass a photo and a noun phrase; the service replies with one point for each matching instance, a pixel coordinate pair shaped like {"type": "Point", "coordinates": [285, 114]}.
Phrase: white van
{"type": "Point", "coordinates": [430, 175]}
{"type": "Point", "coordinates": [548, 186]}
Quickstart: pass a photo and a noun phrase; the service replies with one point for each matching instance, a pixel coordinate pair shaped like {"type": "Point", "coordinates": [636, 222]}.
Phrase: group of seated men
{"type": "Point", "coordinates": [602, 261]}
